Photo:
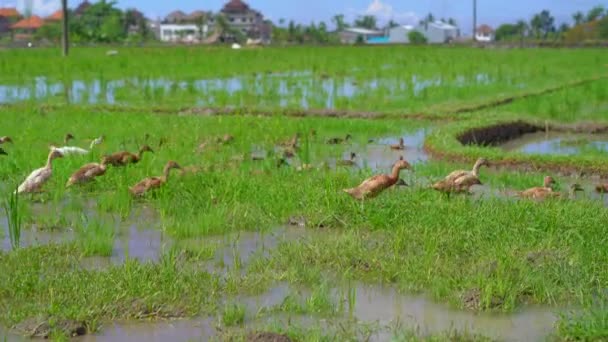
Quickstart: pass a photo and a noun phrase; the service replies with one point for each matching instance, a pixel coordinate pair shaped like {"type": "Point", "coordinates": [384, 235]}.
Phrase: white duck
{"type": "Point", "coordinates": [69, 150]}
{"type": "Point", "coordinates": [39, 177]}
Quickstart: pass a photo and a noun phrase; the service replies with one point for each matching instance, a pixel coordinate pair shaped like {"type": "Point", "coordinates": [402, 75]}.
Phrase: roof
{"type": "Point", "coordinates": [235, 6]}
{"type": "Point", "coordinates": [176, 15]}
{"type": "Point", "coordinates": [56, 16]}
{"type": "Point", "coordinates": [33, 22]}
{"type": "Point", "coordinates": [82, 7]}
{"type": "Point", "coordinates": [485, 29]}
{"type": "Point", "coordinates": [9, 12]}
{"type": "Point", "coordinates": [442, 25]}
{"type": "Point", "coordinates": [406, 27]}
{"type": "Point", "coordinates": [197, 15]}
{"type": "Point", "coordinates": [360, 30]}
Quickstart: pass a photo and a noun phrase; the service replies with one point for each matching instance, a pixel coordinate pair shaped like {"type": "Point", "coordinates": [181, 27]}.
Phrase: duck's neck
{"type": "Point", "coordinates": [49, 161]}
{"type": "Point", "coordinates": [476, 168]}
{"type": "Point", "coordinates": [166, 172]}
{"type": "Point", "coordinates": [394, 176]}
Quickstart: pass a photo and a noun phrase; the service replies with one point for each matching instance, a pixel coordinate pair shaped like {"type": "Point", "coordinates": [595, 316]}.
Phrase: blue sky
{"type": "Point", "coordinates": [492, 12]}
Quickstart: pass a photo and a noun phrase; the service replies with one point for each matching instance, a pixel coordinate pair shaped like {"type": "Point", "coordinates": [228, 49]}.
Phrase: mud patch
{"type": "Point", "coordinates": [267, 337]}
{"type": "Point", "coordinates": [42, 328]}
{"type": "Point", "coordinates": [496, 134]}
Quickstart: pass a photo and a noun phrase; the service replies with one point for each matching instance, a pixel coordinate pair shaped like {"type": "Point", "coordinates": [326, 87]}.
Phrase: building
{"type": "Point", "coordinates": [484, 34]}
{"type": "Point", "coordinates": [175, 17]}
{"type": "Point", "coordinates": [438, 32]}
{"type": "Point", "coordinates": [352, 35]}
{"type": "Point", "coordinates": [24, 29]}
{"type": "Point", "coordinates": [57, 16]}
{"type": "Point", "coordinates": [400, 34]}
{"type": "Point", "coordinates": [186, 28]}
{"type": "Point", "coordinates": [240, 17]}
{"type": "Point", "coordinates": [8, 16]}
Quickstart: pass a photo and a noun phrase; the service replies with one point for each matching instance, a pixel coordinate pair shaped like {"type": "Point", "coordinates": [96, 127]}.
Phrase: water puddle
{"type": "Point", "coordinates": [386, 306]}
{"type": "Point", "coordinates": [378, 306]}
{"type": "Point", "coordinates": [558, 143]}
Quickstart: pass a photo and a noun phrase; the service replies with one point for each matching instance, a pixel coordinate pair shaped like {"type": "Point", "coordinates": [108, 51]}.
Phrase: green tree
{"type": "Point", "coordinates": [578, 18]}
{"type": "Point", "coordinates": [416, 37]}
{"type": "Point", "coordinates": [102, 22]}
{"type": "Point", "coordinates": [603, 28]}
{"type": "Point", "coordinates": [542, 24]}
{"type": "Point", "coordinates": [366, 21]}
{"type": "Point", "coordinates": [339, 21]}
{"type": "Point", "coordinates": [507, 31]}
{"type": "Point", "coordinates": [595, 13]}
{"type": "Point", "coordinates": [392, 24]}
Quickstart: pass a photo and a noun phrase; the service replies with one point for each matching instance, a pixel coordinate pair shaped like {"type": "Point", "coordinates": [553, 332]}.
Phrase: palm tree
{"type": "Point", "coordinates": [338, 20]}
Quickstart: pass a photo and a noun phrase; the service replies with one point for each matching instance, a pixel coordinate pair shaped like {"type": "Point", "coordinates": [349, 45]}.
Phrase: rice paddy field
{"type": "Point", "coordinates": [255, 241]}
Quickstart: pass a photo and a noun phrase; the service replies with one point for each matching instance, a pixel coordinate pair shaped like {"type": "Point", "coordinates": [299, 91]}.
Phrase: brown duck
{"type": "Point", "coordinates": [461, 180]}
{"type": "Point", "coordinates": [400, 146]}
{"type": "Point", "coordinates": [337, 141]}
{"type": "Point", "coordinates": [540, 192]}
{"type": "Point", "coordinates": [123, 158]}
{"type": "Point", "coordinates": [88, 172]}
{"type": "Point", "coordinates": [348, 162]}
{"type": "Point", "coordinates": [373, 186]}
{"type": "Point", "coordinates": [602, 188]}
{"type": "Point", "coordinates": [151, 183]}
{"type": "Point", "coordinates": [291, 143]}
{"type": "Point", "coordinates": [4, 140]}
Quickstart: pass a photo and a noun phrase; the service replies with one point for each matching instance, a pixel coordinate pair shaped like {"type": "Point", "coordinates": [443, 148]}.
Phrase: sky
{"type": "Point", "coordinates": [491, 12]}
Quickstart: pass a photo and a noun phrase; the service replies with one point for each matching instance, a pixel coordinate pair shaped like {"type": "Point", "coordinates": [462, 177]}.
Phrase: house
{"type": "Point", "coordinates": [186, 28]}
{"type": "Point", "coordinates": [484, 34]}
{"type": "Point", "coordinates": [352, 35]}
{"type": "Point", "coordinates": [175, 17]}
{"type": "Point", "coordinates": [242, 18]}
{"type": "Point", "coordinates": [57, 16]}
{"type": "Point", "coordinates": [24, 29]}
{"type": "Point", "coordinates": [8, 16]}
{"type": "Point", "coordinates": [400, 34]}
{"type": "Point", "coordinates": [438, 32]}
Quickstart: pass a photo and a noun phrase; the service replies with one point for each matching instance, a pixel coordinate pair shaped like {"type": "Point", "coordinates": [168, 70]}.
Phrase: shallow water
{"type": "Point", "coordinates": [302, 89]}
{"type": "Point", "coordinates": [382, 306]}
{"type": "Point", "coordinates": [558, 143]}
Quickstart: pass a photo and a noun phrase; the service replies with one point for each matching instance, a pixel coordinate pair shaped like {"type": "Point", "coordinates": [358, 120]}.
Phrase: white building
{"type": "Point", "coordinates": [484, 34]}
{"type": "Point", "coordinates": [184, 33]}
{"type": "Point", "coordinates": [400, 34]}
{"type": "Point", "coordinates": [438, 32]}
{"type": "Point", "coordinates": [351, 35]}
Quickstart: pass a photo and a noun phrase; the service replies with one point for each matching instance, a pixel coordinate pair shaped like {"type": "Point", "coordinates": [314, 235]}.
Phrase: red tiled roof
{"type": "Point", "coordinates": [235, 6]}
{"type": "Point", "coordinates": [33, 22]}
{"type": "Point", "coordinates": [9, 12]}
{"type": "Point", "coordinates": [485, 29]}
{"type": "Point", "coordinates": [56, 16]}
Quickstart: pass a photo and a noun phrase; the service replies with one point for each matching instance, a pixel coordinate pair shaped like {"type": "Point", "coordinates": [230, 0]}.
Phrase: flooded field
{"type": "Point", "coordinates": [558, 144]}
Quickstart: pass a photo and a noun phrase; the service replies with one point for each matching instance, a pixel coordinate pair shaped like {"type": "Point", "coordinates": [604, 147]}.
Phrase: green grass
{"type": "Point", "coordinates": [513, 253]}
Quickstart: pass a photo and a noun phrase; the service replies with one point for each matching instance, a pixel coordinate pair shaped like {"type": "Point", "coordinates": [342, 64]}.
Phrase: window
{"type": "Point", "coordinates": [168, 33]}
{"type": "Point", "coordinates": [231, 19]}
{"type": "Point", "coordinates": [244, 20]}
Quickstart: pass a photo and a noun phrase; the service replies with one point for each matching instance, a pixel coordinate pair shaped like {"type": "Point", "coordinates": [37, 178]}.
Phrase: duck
{"type": "Point", "coordinates": [67, 150]}
{"type": "Point", "coordinates": [602, 188]}
{"type": "Point", "coordinates": [289, 152]}
{"type": "Point", "coordinates": [88, 172]}
{"type": "Point", "coordinates": [373, 186]}
{"type": "Point", "coordinates": [291, 143]}
{"type": "Point", "coordinates": [40, 176]}
{"type": "Point", "coordinates": [97, 141]}
{"type": "Point", "coordinates": [348, 162]}
{"type": "Point", "coordinates": [338, 141]}
{"type": "Point", "coordinates": [123, 158]}
{"type": "Point", "coordinates": [4, 140]}
{"type": "Point", "coordinates": [151, 183]}
{"type": "Point", "coordinates": [3, 152]}
{"type": "Point", "coordinates": [540, 192]}
{"type": "Point", "coordinates": [400, 146]}
{"type": "Point", "coordinates": [461, 180]}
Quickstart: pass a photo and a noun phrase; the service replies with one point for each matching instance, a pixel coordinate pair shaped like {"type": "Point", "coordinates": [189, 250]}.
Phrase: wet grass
{"type": "Point", "coordinates": [481, 253]}
{"type": "Point", "coordinates": [402, 79]}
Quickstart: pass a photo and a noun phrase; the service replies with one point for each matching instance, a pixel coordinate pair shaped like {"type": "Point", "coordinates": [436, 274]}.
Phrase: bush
{"type": "Point", "coordinates": [416, 37]}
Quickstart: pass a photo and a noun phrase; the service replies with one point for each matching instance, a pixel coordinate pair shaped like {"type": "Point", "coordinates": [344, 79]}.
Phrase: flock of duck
{"type": "Point", "coordinates": [459, 181]}
{"type": "Point", "coordinates": [37, 178]}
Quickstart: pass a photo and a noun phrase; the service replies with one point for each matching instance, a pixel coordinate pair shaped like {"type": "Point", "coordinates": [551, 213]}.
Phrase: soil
{"type": "Point", "coordinates": [41, 328]}
{"type": "Point", "coordinates": [471, 300]}
{"type": "Point", "coordinates": [497, 134]}
{"type": "Point", "coordinates": [267, 337]}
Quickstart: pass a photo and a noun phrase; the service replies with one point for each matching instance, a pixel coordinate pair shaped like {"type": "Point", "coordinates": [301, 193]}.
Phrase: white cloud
{"type": "Point", "coordinates": [385, 12]}
{"type": "Point", "coordinates": [39, 7]}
